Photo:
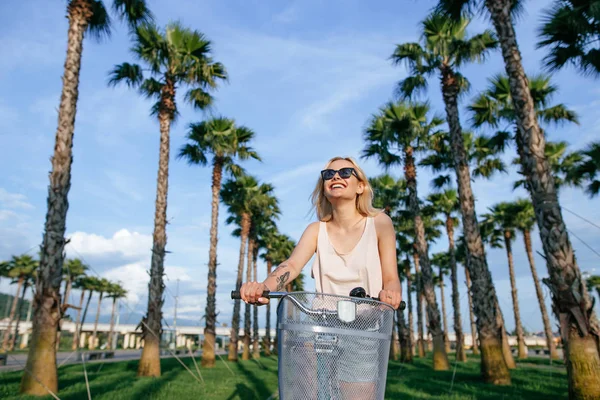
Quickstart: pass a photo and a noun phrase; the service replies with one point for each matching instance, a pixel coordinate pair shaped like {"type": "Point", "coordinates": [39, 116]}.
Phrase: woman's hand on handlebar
{"type": "Point", "coordinates": [251, 293]}
{"type": "Point", "coordinates": [391, 297]}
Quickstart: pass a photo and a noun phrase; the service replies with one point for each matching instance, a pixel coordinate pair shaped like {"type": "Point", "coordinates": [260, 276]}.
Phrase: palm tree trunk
{"type": "Point", "coordinates": [579, 327]}
{"type": "Point", "coordinates": [75, 345]}
{"type": "Point", "coordinates": [461, 356]}
{"type": "Point", "coordinates": [419, 296]}
{"type": "Point", "coordinates": [493, 367]}
{"type": "Point", "coordinates": [87, 304]}
{"type": "Point", "coordinates": [255, 347]}
{"type": "Point", "coordinates": [515, 297]}
{"type": "Point", "coordinates": [14, 338]}
{"type": "Point", "coordinates": [444, 315]}
{"type": "Point", "coordinates": [13, 311]}
{"type": "Point", "coordinates": [474, 338]}
{"type": "Point", "coordinates": [404, 338]}
{"type": "Point", "coordinates": [247, 311]}
{"type": "Point", "coordinates": [68, 286]}
{"type": "Point", "coordinates": [540, 295]}
{"type": "Point", "coordinates": [208, 346]}
{"type": "Point", "coordinates": [409, 307]}
{"type": "Point", "coordinates": [235, 321]}
{"type": "Point", "coordinates": [41, 374]}
{"type": "Point", "coordinates": [506, 350]}
{"type": "Point", "coordinates": [152, 322]}
{"type": "Point", "coordinates": [93, 343]}
{"type": "Point", "coordinates": [268, 321]}
{"type": "Point", "coordinates": [112, 324]}
{"type": "Point", "coordinates": [440, 357]}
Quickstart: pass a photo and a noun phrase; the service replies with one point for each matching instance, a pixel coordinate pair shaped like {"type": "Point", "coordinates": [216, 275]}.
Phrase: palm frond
{"type": "Point", "coordinates": [199, 98]}
{"type": "Point", "coordinates": [411, 86]}
{"type": "Point", "coordinates": [133, 12]}
{"type": "Point", "coordinates": [131, 74]}
{"type": "Point", "coordinates": [99, 24]}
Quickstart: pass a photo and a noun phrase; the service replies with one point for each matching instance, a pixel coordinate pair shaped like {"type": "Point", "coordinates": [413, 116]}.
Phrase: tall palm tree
{"type": "Point", "coordinates": [587, 169]}
{"type": "Point", "coordinates": [20, 269]}
{"type": "Point", "coordinates": [226, 143]}
{"type": "Point", "coordinates": [442, 261]}
{"type": "Point", "coordinates": [578, 327]}
{"type": "Point", "coordinates": [461, 257]}
{"type": "Point", "coordinates": [444, 50]}
{"type": "Point", "coordinates": [175, 57]}
{"type": "Point", "coordinates": [83, 283]}
{"type": "Point", "coordinates": [447, 203]}
{"type": "Point", "coordinates": [501, 219]}
{"type": "Point", "coordinates": [85, 17]}
{"type": "Point", "coordinates": [525, 222]}
{"type": "Point", "coordinates": [103, 286]}
{"type": "Point", "coordinates": [239, 195]}
{"type": "Point", "coordinates": [30, 277]}
{"type": "Point", "coordinates": [570, 29]}
{"type": "Point", "coordinates": [72, 270]}
{"type": "Point", "coordinates": [115, 292]}
{"type": "Point", "coordinates": [392, 137]}
{"type": "Point", "coordinates": [404, 224]}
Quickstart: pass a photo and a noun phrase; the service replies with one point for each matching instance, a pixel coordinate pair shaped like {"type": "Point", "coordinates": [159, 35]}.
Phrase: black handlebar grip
{"type": "Point", "coordinates": [402, 305]}
{"type": "Point", "coordinates": [235, 294]}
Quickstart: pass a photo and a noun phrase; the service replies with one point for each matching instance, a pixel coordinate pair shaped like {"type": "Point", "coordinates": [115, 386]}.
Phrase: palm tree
{"type": "Point", "coordinates": [239, 196]}
{"type": "Point", "coordinates": [445, 49]}
{"type": "Point", "coordinates": [407, 242]}
{"type": "Point", "coordinates": [72, 270]}
{"type": "Point", "coordinates": [82, 283]}
{"type": "Point", "coordinates": [501, 218]}
{"type": "Point", "coordinates": [29, 278]}
{"type": "Point", "coordinates": [587, 169]}
{"type": "Point", "coordinates": [461, 257]}
{"type": "Point", "coordinates": [447, 204]}
{"type": "Point", "coordinates": [20, 269]}
{"type": "Point", "coordinates": [525, 222]}
{"type": "Point", "coordinates": [442, 261]}
{"type": "Point", "coordinates": [85, 17]}
{"type": "Point", "coordinates": [103, 286]}
{"type": "Point", "coordinates": [176, 57]}
{"type": "Point", "coordinates": [226, 142]}
{"type": "Point", "coordinates": [578, 328]}
{"type": "Point", "coordinates": [116, 292]}
{"type": "Point", "coordinates": [403, 127]}
{"type": "Point", "coordinates": [570, 29]}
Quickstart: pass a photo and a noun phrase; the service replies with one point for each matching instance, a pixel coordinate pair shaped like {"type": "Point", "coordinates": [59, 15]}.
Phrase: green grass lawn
{"type": "Point", "coordinates": [534, 379]}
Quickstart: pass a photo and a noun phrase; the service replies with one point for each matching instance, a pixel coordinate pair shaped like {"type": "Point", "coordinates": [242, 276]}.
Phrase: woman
{"type": "Point", "coordinates": [355, 243]}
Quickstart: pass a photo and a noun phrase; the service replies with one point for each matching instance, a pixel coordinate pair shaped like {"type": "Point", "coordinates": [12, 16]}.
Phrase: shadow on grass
{"type": "Point", "coordinates": [260, 389]}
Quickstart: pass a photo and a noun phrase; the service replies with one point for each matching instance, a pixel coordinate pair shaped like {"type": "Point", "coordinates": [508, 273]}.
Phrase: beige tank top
{"type": "Point", "coordinates": [337, 273]}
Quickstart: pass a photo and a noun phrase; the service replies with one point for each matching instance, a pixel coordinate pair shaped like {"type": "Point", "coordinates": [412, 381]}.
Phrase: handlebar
{"type": "Point", "coordinates": [235, 295]}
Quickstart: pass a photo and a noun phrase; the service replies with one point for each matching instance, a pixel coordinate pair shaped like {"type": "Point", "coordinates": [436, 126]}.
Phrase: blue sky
{"type": "Point", "coordinates": [304, 75]}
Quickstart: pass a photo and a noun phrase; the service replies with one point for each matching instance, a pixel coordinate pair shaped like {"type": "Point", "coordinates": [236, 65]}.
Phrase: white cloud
{"type": "Point", "coordinates": [123, 245]}
{"type": "Point", "coordinates": [14, 200]}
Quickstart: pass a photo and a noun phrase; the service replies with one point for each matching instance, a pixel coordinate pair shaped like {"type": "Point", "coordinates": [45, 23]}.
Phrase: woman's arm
{"type": "Point", "coordinates": [386, 238]}
{"type": "Point", "coordinates": [287, 271]}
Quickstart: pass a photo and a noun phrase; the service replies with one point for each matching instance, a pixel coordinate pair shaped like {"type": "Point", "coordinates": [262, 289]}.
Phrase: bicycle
{"type": "Point", "coordinates": [330, 346]}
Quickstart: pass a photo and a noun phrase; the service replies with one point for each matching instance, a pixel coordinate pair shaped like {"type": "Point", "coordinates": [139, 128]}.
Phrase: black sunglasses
{"type": "Point", "coordinates": [344, 173]}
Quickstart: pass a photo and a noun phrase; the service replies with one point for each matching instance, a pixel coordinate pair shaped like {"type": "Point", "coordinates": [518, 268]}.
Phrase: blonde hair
{"type": "Point", "coordinates": [364, 201]}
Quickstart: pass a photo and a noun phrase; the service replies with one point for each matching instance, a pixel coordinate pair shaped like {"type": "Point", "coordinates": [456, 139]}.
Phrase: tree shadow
{"type": "Point", "coordinates": [260, 389]}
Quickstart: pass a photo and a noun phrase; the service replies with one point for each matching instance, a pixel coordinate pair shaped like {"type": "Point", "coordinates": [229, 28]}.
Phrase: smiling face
{"type": "Point", "coordinates": [340, 188]}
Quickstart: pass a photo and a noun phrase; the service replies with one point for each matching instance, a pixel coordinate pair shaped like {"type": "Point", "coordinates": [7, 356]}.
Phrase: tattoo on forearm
{"type": "Point", "coordinates": [279, 268]}
{"type": "Point", "coordinates": [282, 280]}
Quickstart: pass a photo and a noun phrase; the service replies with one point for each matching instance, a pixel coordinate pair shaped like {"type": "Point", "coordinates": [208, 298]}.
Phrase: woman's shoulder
{"type": "Point", "coordinates": [383, 222]}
